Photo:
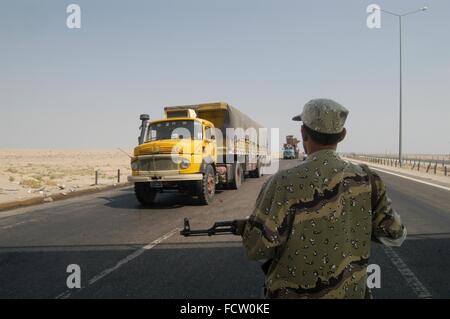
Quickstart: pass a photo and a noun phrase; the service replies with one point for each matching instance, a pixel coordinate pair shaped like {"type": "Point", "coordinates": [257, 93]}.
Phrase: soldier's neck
{"type": "Point", "coordinates": [312, 148]}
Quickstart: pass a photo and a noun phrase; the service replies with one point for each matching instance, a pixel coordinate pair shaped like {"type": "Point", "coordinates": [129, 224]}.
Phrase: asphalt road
{"type": "Point", "coordinates": [127, 251]}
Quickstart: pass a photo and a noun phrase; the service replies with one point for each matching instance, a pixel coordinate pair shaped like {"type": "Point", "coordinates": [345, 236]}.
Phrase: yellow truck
{"type": "Point", "coordinates": [196, 148]}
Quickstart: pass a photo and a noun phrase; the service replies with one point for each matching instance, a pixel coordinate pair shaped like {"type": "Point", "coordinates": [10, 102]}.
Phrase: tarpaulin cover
{"type": "Point", "coordinates": [233, 118]}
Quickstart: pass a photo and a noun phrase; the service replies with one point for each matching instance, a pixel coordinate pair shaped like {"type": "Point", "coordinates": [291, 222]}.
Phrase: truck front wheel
{"type": "Point", "coordinates": [206, 188]}
{"type": "Point", "coordinates": [144, 193]}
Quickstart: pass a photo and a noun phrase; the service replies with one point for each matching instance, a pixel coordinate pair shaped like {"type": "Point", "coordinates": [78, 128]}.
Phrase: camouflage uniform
{"type": "Point", "coordinates": [315, 223]}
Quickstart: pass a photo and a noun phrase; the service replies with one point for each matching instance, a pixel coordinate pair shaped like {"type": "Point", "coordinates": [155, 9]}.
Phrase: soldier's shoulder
{"type": "Point", "coordinates": [363, 168]}
{"type": "Point", "coordinates": [286, 174]}
{"type": "Point", "coordinates": [359, 168]}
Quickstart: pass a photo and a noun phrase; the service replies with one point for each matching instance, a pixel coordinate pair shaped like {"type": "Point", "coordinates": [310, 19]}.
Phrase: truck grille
{"type": "Point", "coordinates": [158, 163]}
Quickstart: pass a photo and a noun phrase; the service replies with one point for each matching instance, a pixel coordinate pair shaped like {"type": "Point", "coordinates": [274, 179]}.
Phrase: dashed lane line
{"type": "Point", "coordinates": [411, 279]}
{"type": "Point", "coordinates": [18, 224]}
{"type": "Point", "coordinates": [120, 263]}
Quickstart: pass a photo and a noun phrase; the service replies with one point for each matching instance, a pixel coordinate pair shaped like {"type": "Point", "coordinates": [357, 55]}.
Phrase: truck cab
{"type": "Point", "coordinates": [176, 153]}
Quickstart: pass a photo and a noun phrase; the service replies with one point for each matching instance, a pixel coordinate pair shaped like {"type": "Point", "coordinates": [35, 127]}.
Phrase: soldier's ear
{"type": "Point", "coordinates": [343, 134]}
{"type": "Point", "coordinates": [304, 134]}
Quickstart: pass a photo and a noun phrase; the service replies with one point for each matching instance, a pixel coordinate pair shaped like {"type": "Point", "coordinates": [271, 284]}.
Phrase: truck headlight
{"type": "Point", "coordinates": [185, 163]}
{"type": "Point", "coordinates": [135, 165]}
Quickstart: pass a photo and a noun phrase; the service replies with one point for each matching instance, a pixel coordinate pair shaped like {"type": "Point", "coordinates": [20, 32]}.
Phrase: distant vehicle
{"type": "Point", "coordinates": [189, 151]}
{"type": "Point", "coordinates": [290, 148]}
{"type": "Point", "coordinates": [289, 153]}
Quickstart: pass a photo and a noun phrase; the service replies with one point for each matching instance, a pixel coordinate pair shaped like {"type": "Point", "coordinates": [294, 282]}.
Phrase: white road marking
{"type": "Point", "coordinates": [411, 279]}
{"type": "Point", "coordinates": [121, 262]}
{"type": "Point", "coordinates": [18, 224]}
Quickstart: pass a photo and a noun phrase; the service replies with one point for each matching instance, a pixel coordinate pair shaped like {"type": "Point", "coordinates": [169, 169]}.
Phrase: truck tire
{"type": "Point", "coordinates": [238, 176]}
{"type": "Point", "coordinates": [144, 193]}
{"type": "Point", "coordinates": [257, 172]}
{"type": "Point", "coordinates": [206, 188]}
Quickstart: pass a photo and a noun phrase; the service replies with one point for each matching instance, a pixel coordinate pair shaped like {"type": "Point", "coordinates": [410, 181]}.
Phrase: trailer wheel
{"type": "Point", "coordinates": [238, 176]}
{"type": "Point", "coordinates": [257, 172]}
{"type": "Point", "coordinates": [144, 193]}
{"type": "Point", "coordinates": [206, 188]}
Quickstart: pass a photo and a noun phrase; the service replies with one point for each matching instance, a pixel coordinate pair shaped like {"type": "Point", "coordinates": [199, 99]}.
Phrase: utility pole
{"type": "Point", "coordinates": [399, 16]}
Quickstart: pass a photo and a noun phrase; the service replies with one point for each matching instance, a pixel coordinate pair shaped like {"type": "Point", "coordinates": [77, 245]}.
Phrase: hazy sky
{"type": "Point", "coordinates": [83, 88]}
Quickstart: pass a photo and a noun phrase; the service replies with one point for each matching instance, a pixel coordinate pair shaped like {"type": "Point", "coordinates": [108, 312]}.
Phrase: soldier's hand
{"type": "Point", "coordinates": [239, 226]}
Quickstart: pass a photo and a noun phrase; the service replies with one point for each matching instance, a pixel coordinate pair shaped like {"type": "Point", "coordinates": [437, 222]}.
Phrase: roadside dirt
{"type": "Point", "coordinates": [37, 175]}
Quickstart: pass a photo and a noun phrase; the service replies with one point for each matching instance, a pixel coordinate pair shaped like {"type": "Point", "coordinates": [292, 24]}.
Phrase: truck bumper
{"type": "Point", "coordinates": [165, 177]}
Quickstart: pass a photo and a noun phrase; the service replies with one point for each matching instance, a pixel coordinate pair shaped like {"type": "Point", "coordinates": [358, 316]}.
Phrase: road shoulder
{"type": "Point", "coordinates": [429, 179]}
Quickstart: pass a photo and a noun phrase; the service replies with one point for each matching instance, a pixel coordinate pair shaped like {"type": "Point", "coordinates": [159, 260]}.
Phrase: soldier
{"type": "Point", "coordinates": [314, 223]}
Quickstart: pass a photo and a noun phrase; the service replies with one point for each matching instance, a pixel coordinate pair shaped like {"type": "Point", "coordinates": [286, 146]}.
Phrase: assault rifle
{"type": "Point", "coordinates": [232, 227]}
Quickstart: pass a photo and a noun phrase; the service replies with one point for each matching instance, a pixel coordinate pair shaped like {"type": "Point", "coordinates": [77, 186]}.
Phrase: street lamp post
{"type": "Point", "coordinates": [399, 16]}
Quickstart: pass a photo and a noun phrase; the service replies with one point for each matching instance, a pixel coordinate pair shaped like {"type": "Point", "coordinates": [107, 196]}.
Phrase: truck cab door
{"type": "Point", "coordinates": [210, 142]}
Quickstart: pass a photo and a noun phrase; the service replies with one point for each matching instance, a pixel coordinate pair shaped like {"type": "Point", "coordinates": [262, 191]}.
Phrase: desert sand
{"type": "Point", "coordinates": [27, 173]}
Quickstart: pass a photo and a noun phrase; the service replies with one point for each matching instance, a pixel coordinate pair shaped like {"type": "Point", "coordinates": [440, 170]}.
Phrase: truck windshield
{"type": "Point", "coordinates": [171, 130]}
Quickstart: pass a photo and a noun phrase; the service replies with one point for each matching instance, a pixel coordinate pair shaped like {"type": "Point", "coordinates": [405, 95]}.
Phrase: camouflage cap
{"type": "Point", "coordinates": [324, 116]}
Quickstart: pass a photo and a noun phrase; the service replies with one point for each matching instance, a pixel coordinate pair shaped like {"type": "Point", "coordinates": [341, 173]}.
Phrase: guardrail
{"type": "Point", "coordinates": [430, 166]}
